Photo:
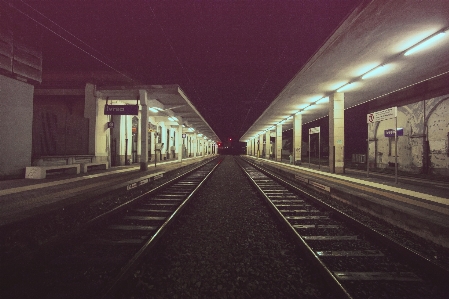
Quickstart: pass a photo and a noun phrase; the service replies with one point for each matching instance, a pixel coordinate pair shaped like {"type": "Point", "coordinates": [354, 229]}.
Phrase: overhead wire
{"type": "Point", "coordinates": [65, 39]}
{"type": "Point", "coordinates": [62, 28]}
{"type": "Point", "coordinates": [174, 52]}
{"type": "Point", "coordinates": [263, 86]}
{"type": "Point", "coordinates": [273, 68]}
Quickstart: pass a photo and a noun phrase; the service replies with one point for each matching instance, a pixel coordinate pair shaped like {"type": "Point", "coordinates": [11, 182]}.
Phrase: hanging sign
{"type": "Point", "coordinates": [121, 109]}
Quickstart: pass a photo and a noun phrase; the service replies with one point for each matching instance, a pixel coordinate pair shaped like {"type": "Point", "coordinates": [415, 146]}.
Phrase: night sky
{"type": "Point", "coordinates": [232, 58]}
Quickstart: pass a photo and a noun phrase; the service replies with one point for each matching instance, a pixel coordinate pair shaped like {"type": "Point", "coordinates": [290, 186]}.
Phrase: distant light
{"type": "Point", "coordinates": [153, 109]}
{"type": "Point", "coordinates": [424, 43]}
{"type": "Point", "coordinates": [376, 71]}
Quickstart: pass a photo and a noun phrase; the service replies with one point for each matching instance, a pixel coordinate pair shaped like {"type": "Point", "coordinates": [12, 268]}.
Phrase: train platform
{"type": "Point", "coordinates": [416, 204]}
{"type": "Point", "coordinates": [23, 198]}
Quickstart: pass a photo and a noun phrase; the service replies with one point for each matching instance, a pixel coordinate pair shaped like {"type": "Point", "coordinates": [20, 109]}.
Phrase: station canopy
{"type": "Point", "coordinates": [174, 103]}
{"type": "Point", "coordinates": [381, 47]}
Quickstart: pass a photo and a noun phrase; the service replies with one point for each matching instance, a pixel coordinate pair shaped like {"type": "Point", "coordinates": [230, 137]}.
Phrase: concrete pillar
{"type": "Point", "coordinates": [90, 112]}
{"type": "Point", "coordinates": [189, 145]}
{"type": "Point", "coordinates": [139, 137]}
{"type": "Point", "coordinates": [278, 146]}
{"type": "Point", "coordinates": [337, 133]}
{"type": "Point", "coordinates": [254, 147]}
{"type": "Point", "coordinates": [179, 140]}
{"type": "Point", "coordinates": [144, 130]}
{"type": "Point", "coordinates": [163, 152]}
{"type": "Point", "coordinates": [201, 146]}
{"type": "Point", "coordinates": [99, 141]}
{"type": "Point", "coordinates": [116, 140]}
{"type": "Point", "coordinates": [267, 144]}
{"type": "Point", "coordinates": [260, 146]}
{"type": "Point", "coordinates": [297, 138]}
{"type": "Point", "coordinates": [194, 145]}
{"type": "Point", "coordinates": [127, 140]}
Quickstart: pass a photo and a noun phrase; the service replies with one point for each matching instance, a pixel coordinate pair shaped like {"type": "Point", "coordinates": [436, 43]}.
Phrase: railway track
{"type": "Point", "coordinates": [357, 261]}
{"type": "Point", "coordinates": [94, 262]}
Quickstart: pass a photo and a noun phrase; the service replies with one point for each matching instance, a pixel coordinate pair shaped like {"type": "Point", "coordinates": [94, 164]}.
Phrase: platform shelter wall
{"type": "Point", "coordinates": [16, 115]}
{"type": "Point", "coordinates": [423, 148]}
{"type": "Point", "coordinates": [59, 126]}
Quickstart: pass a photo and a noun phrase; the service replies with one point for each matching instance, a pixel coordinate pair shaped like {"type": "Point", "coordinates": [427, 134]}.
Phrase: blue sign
{"type": "Point", "coordinates": [390, 132]}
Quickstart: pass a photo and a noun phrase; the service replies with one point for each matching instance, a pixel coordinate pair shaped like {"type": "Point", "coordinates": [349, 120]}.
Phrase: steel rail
{"type": "Point", "coordinates": [325, 272]}
{"type": "Point", "coordinates": [421, 263]}
{"type": "Point", "coordinates": [105, 216]}
{"type": "Point", "coordinates": [133, 262]}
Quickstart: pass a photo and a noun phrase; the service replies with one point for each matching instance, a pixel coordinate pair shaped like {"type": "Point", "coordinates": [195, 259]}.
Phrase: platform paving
{"type": "Point", "coordinates": [414, 203]}
{"type": "Point", "coordinates": [22, 198]}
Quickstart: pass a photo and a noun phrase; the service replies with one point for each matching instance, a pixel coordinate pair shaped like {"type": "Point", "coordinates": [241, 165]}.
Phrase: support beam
{"type": "Point", "coordinates": [267, 144]}
{"type": "Point", "coordinates": [337, 133]}
{"type": "Point", "coordinates": [144, 130]}
{"type": "Point", "coordinates": [179, 140]}
{"type": "Point", "coordinates": [297, 139]}
{"type": "Point", "coordinates": [278, 148]}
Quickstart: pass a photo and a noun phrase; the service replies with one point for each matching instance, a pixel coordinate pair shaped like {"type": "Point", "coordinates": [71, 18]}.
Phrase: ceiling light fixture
{"type": "Point", "coordinates": [425, 43]}
{"type": "Point", "coordinates": [345, 87]}
{"type": "Point", "coordinates": [326, 99]}
{"type": "Point", "coordinates": [378, 70]}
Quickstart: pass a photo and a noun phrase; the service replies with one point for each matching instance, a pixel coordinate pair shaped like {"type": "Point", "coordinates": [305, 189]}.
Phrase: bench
{"type": "Point", "coordinates": [101, 165]}
{"type": "Point", "coordinates": [40, 172]}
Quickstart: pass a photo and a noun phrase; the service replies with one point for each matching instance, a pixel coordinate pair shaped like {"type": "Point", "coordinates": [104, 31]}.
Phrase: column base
{"type": "Point", "coordinates": [339, 170]}
{"type": "Point", "coordinates": [143, 166]}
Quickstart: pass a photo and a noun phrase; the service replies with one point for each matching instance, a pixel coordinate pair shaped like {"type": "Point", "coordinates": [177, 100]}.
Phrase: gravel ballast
{"type": "Point", "coordinates": [226, 244]}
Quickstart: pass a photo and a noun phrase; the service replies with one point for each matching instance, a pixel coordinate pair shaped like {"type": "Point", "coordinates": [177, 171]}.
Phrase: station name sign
{"type": "Point", "coordinates": [121, 109]}
{"type": "Point", "coordinates": [390, 132]}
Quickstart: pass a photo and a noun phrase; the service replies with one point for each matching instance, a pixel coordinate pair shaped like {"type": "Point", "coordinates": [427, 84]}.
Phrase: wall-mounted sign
{"type": "Point", "coordinates": [121, 109]}
{"type": "Point", "coordinates": [382, 115]}
{"type": "Point", "coordinates": [110, 124]}
{"type": "Point", "coordinates": [390, 132]}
